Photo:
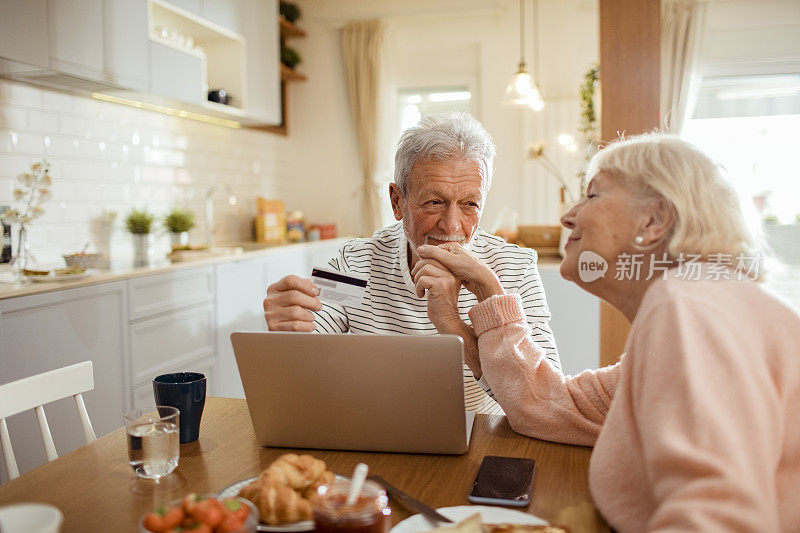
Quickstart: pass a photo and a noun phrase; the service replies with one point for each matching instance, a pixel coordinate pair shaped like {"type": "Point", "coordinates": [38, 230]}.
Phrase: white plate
{"type": "Point", "coordinates": [233, 490]}
{"type": "Point", "coordinates": [489, 515]}
{"type": "Point", "coordinates": [52, 276]}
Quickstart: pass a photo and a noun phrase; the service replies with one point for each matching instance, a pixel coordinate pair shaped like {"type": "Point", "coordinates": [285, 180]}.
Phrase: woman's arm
{"type": "Point", "coordinates": [538, 400]}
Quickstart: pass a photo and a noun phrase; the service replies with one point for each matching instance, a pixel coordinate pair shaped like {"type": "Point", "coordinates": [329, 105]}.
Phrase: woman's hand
{"type": "Point", "coordinates": [474, 275]}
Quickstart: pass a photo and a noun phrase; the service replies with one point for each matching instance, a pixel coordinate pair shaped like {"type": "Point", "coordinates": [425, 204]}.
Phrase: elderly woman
{"type": "Point", "coordinates": [698, 426]}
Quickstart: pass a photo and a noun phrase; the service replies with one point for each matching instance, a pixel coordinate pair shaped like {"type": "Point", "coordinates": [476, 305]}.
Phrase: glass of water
{"type": "Point", "coordinates": [153, 441]}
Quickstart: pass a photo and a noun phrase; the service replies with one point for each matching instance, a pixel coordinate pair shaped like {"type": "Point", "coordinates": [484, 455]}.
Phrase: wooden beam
{"type": "Point", "coordinates": [630, 84]}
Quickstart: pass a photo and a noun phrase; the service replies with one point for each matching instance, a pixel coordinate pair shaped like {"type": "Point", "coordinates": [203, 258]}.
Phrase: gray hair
{"type": "Point", "coordinates": [443, 137]}
{"type": "Point", "coordinates": [709, 215]}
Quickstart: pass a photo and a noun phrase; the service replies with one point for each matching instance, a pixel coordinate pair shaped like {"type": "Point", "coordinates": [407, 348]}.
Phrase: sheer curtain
{"type": "Point", "coordinates": [682, 24]}
{"type": "Point", "coordinates": [362, 46]}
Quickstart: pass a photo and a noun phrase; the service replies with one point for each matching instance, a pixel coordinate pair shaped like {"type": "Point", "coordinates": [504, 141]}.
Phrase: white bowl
{"type": "Point", "coordinates": [30, 518]}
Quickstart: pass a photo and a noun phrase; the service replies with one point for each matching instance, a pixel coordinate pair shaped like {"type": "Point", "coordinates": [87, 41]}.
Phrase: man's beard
{"type": "Point", "coordinates": [460, 239]}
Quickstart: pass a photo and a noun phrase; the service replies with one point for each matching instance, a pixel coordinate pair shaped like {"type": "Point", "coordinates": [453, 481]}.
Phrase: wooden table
{"type": "Point", "coordinates": [96, 489]}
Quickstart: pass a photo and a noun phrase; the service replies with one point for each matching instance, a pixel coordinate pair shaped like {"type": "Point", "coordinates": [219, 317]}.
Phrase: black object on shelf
{"type": "Point", "coordinates": [219, 96]}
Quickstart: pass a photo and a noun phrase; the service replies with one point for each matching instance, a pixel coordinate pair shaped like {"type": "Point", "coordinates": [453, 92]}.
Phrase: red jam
{"type": "Point", "coordinates": [369, 514]}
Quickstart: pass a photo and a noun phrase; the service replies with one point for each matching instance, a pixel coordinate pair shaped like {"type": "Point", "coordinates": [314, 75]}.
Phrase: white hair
{"type": "Point", "coordinates": [709, 215]}
{"type": "Point", "coordinates": [444, 137]}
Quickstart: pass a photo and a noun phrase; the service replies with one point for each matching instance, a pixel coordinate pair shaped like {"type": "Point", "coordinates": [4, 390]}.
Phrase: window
{"type": "Point", "coordinates": [416, 103]}
{"type": "Point", "coordinates": [412, 105]}
{"type": "Point", "coordinates": [751, 125]}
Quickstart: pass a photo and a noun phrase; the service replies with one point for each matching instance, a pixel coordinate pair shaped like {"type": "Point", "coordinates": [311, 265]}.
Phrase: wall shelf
{"type": "Point", "coordinates": [288, 74]}
{"type": "Point", "coordinates": [288, 31]}
{"type": "Point", "coordinates": [222, 51]}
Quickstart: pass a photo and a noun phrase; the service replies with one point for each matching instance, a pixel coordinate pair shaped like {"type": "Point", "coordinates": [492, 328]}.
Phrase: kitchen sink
{"type": "Point", "coordinates": [230, 249]}
{"type": "Point", "coordinates": [180, 256]}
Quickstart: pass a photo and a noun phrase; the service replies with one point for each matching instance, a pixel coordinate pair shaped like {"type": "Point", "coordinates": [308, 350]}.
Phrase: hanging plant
{"type": "Point", "coordinates": [587, 89]}
{"type": "Point", "coordinates": [588, 124]}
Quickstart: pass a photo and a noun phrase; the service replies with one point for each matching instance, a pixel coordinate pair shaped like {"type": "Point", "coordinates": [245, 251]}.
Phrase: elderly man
{"type": "Point", "coordinates": [443, 170]}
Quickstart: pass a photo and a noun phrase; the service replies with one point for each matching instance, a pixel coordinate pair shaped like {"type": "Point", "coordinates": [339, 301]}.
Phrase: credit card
{"type": "Point", "coordinates": [339, 288]}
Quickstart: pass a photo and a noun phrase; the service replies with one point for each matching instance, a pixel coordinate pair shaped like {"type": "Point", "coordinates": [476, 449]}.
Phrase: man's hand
{"type": "Point", "coordinates": [289, 303]}
{"type": "Point", "coordinates": [473, 273]}
{"type": "Point", "coordinates": [443, 288]}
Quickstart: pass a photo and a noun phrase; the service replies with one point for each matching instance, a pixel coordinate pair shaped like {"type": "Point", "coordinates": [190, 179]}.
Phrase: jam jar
{"type": "Point", "coordinates": [369, 514]}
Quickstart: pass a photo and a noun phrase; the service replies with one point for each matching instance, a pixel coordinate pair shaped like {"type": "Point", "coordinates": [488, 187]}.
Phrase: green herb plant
{"type": "Point", "coordinates": [139, 222]}
{"type": "Point", "coordinates": [179, 220]}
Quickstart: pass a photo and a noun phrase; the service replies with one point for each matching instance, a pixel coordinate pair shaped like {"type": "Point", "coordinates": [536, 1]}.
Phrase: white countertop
{"type": "Point", "coordinates": [12, 288]}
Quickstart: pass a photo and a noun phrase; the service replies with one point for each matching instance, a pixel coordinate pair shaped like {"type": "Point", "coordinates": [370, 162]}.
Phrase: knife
{"type": "Point", "coordinates": [409, 502]}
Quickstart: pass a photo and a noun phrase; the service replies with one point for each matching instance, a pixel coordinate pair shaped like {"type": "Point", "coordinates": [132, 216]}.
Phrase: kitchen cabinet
{"type": "Point", "coordinates": [175, 74]}
{"type": "Point", "coordinates": [241, 288]}
{"type": "Point", "coordinates": [100, 40]}
{"type": "Point", "coordinates": [192, 6]}
{"type": "Point", "coordinates": [23, 31]}
{"type": "Point", "coordinates": [108, 46]}
{"type": "Point", "coordinates": [172, 326]}
{"type": "Point", "coordinates": [81, 45]}
{"type": "Point", "coordinates": [161, 293]}
{"type": "Point", "coordinates": [575, 321]}
{"type": "Point", "coordinates": [75, 37]}
{"type": "Point", "coordinates": [260, 30]}
{"type": "Point", "coordinates": [227, 13]}
{"type": "Point", "coordinates": [134, 329]}
{"type": "Point", "coordinates": [125, 39]}
{"type": "Point", "coordinates": [46, 331]}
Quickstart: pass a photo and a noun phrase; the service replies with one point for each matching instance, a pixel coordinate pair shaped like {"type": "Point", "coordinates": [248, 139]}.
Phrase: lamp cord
{"type": "Point", "coordinates": [522, 31]}
{"type": "Point", "coordinates": [536, 40]}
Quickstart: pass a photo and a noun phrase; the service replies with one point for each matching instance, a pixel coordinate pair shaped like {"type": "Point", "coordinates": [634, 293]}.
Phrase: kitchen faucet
{"type": "Point", "coordinates": [210, 228]}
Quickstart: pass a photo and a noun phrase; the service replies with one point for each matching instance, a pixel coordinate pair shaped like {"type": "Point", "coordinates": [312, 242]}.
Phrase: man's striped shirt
{"type": "Point", "coordinates": [391, 304]}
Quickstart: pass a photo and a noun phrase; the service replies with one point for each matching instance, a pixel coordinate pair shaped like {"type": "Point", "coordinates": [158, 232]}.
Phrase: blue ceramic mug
{"type": "Point", "coordinates": [187, 392]}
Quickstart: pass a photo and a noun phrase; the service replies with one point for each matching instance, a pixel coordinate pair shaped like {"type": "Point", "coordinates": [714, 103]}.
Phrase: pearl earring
{"type": "Point", "coordinates": [639, 239]}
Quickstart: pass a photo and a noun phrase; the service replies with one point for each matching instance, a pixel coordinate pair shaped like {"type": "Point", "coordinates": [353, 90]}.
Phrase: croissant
{"type": "Point", "coordinates": [285, 491]}
{"type": "Point", "coordinates": [326, 478]}
{"type": "Point", "coordinates": [277, 503]}
{"type": "Point", "coordinates": [297, 471]}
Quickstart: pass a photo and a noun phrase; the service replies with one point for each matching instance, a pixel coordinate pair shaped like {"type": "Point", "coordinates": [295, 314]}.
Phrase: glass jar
{"type": "Point", "coordinates": [369, 514]}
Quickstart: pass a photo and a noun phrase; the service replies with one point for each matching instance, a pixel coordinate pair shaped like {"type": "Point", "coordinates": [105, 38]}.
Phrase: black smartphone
{"type": "Point", "coordinates": [504, 481]}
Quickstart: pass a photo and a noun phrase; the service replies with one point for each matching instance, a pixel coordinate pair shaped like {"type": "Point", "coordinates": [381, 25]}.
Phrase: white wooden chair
{"type": "Point", "coordinates": [36, 391]}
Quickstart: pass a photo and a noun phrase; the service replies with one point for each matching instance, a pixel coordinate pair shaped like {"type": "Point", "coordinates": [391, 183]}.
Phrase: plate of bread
{"type": "Point", "coordinates": [59, 274]}
{"type": "Point", "coordinates": [284, 492]}
{"type": "Point", "coordinates": [478, 519]}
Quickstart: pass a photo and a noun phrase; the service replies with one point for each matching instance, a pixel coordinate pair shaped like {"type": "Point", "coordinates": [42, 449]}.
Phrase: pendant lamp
{"type": "Point", "coordinates": [522, 90]}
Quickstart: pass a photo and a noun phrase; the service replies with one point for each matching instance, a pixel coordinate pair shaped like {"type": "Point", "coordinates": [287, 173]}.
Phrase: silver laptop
{"type": "Point", "coordinates": [387, 393]}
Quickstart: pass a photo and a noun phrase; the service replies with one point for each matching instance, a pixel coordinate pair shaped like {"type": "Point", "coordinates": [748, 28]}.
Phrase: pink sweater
{"type": "Point", "coordinates": [696, 429]}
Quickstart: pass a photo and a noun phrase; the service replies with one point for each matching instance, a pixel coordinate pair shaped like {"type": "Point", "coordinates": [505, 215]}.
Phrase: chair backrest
{"type": "Point", "coordinates": [36, 391]}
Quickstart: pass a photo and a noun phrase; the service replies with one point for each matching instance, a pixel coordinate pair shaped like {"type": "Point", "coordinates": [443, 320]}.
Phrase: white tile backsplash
{"type": "Point", "coordinates": [13, 117]}
{"type": "Point", "coordinates": [42, 121]}
{"type": "Point", "coordinates": [106, 156]}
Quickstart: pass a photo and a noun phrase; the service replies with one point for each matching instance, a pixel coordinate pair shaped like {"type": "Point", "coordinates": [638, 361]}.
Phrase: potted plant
{"type": "Point", "coordinates": [290, 11]}
{"type": "Point", "coordinates": [139, 223]}
{"type": "Point", "coordinates": [290, 57]}
{"type": "Point", "coordinates": [178, 222]}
